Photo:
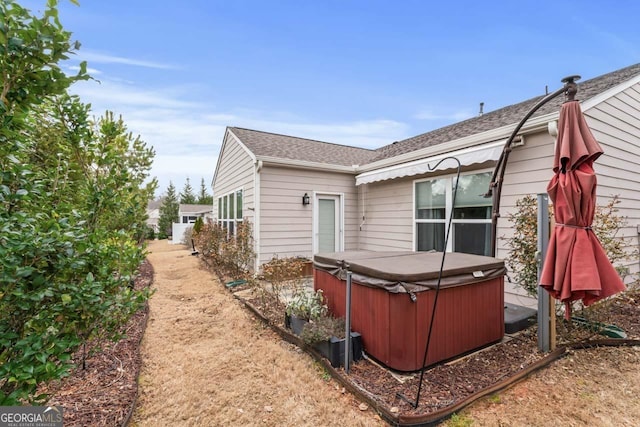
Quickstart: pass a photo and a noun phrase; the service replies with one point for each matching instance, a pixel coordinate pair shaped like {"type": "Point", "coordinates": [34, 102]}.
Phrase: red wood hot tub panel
{"type": "Point", "coordinates": [394, 329]}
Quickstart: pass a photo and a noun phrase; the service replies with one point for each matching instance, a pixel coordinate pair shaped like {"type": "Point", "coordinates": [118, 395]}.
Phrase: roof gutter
{"type": "Point", "coordinates": [276, 161]}
{"type": "Point", "coordinates": [497, 134]}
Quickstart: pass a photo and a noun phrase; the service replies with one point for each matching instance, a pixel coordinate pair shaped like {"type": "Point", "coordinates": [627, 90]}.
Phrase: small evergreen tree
{"type": "Point", "coordinates": [204, 198]}
{"type": "Point", "coordinates": [168, 211]}
{"type": "Point", "coordinates": [186, 195]}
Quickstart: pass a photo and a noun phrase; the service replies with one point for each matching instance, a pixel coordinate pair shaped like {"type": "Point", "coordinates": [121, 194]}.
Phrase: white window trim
{"type": "Point", "coordinates": [448, 208]}
{"type": "Point", "coordinates": [314, 228]}
{"type": "Point", "coordinates": [235, 220]}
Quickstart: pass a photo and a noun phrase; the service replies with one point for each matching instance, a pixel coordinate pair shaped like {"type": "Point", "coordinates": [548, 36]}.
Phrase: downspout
{"type": "Point", "coordinates": [570, 89]}
{"type": "Point", "coordinates": [256, 214]}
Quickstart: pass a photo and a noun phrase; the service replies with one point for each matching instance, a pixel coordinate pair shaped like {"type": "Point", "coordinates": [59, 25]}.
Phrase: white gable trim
{"type": "Point", "coordinates": [224, 145]}
{"type": "Point", "coordinates": [603, 96]}
{"type": "Point", "coordinates": [466, 156]}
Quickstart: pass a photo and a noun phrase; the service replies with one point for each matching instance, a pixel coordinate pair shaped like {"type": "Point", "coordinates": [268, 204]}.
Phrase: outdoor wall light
{"type": "Point", "coordinates": [305, 199]}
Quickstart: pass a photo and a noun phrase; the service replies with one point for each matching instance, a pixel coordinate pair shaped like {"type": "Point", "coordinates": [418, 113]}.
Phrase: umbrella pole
{"type": "Point", "coordinates": [569, 89]}
{"type": "Point", "coordinates": [437, 292]}
{"type": "Point", "coordinates": [546, 326]}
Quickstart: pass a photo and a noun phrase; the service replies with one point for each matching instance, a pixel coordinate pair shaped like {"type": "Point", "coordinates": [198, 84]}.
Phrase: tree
{"type": "Point", "coordinates": [71, 205]}
{"type": "Point", "coordinates": [168, 211]}
{"type": "Point", "coordinates": [186, 195]}
{"type": "Point", "coordinates": [204, 198]}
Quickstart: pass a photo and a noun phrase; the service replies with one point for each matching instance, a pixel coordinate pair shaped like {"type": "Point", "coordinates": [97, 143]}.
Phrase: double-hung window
{"type": "Point", "coordinates": [230, 211]}
{"type": "Point", "coordinates": [189, 219]}
{"type": "Point", "coordinates": [470, 216]}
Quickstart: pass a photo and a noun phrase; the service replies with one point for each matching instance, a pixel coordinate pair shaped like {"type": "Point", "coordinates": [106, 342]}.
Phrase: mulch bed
{"type": "Point", "coordinates": [104, 393]}
{"type": "Point", "coordinates": [457, 382]}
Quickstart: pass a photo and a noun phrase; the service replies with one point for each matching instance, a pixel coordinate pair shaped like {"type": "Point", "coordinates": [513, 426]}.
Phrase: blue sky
{"type": "Point", "coordinates": [362, 73]}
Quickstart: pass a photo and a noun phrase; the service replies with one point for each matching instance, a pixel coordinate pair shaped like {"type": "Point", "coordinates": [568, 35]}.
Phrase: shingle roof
{"type": "Point", "coordinates": [187, 208]}
{"type": "Point", "coordinates": [154, 204]}
{"type": "Point", "coordinates": [294, 148]}
{"type": "Point", "coordinates": [504, 116]}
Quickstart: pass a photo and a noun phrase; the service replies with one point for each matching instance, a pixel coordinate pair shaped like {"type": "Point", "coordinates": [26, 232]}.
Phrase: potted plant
{"type": "Point", "coordinates": [303, 307]}
{"type": "Point", "coordinates": [326, 334]}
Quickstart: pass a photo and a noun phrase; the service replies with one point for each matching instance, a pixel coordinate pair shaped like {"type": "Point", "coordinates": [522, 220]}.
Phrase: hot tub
{"type": "Point", "coordinates": [392, 300]}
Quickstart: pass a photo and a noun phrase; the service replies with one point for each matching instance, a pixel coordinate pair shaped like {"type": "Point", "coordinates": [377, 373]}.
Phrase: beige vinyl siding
{"type": "Point", "coordinates": [236, 173]}
{"type": "Point", "coordinates": [388, 223]}
{"type": "Point", "coordinates": [285, 224]}
{"type": "Point", "coordinates": [616, 125]}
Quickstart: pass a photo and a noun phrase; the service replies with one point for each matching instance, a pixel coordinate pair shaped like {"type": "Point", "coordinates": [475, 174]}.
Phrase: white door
{"type": "Point", "coordinates": [328, 224]}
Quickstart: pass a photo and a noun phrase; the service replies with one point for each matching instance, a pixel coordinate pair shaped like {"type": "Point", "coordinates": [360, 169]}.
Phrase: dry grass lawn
{"type": "Point", "coordinates": [591, 387]}
{"type": "Point", "coordinates": [207, 361]}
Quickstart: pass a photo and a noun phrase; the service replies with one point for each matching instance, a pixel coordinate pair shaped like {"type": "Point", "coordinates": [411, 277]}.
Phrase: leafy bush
{"type": "Point", "coordinates": [524, 242]}
{"type": "Point", "coordinates": [237, 251]}
{"type": "Point", "coordinates": [229, 256]}
{"type": "Point", "coordinates": [197, 226]}
{"type": "Point", "coordinates": [307, 305]}
{"type": "Point", "coordinates": [209, 243]}
{"type": "Point", "coordinates": [150, 233]}
{"type": "Point", "coordinates": [72, 210]}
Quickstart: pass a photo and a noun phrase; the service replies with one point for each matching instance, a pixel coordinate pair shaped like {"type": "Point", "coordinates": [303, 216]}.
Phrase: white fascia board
{"type": "Point", "coordinates": [601, 97]}
{"type": "Point", "coordinates": [277, 161]}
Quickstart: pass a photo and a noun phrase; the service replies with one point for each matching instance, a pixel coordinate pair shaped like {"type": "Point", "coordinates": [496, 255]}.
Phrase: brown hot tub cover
{"type": "Point", "coordinates": [410, 271]}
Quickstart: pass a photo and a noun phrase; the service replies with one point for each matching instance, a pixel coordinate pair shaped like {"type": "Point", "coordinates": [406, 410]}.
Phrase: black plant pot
{"type": "Point", "coordinates": [333, 349]}
{"type": "Point", "coordinates": [294, 323]}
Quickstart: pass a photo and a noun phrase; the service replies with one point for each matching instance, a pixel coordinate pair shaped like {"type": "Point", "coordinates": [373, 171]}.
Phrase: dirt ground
{"type": "Point", "coordinates": [207, 361]}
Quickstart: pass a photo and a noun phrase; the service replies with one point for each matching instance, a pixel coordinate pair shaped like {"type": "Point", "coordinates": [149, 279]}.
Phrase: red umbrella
{"type": "Point", "coordinates": [576, 266]}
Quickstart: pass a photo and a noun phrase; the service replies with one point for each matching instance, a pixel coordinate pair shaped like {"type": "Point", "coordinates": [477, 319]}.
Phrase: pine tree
{"type": "Point", "coordinates": [168, 211]}
{"type": "Point", "coordinates": [204, 197]}
{"type": "Point", "coordinates": [186, 195]}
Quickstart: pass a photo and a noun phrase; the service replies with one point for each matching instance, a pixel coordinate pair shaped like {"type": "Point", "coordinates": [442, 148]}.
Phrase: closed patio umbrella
{"type": "Point", "coordinates": [576, 266]}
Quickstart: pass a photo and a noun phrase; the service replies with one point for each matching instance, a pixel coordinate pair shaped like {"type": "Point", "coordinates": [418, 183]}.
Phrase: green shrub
{"type": "Point", "coordinates": [524, 242]}
{"type": "Point", "coordinates": [72, 210]}
{"type": "Point", "coordinates": [150, 233]}
{"type": "Point", "coordinates": [307, 305]}
{"type": "Point", "coordinates": [197, 226]}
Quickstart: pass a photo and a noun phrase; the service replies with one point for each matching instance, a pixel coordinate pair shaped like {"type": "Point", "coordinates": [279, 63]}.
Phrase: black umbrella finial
{"type": "Point", "coordinates": [570, 87]}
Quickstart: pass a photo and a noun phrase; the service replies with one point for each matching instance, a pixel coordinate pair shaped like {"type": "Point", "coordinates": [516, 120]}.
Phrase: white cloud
{"type": "Point", "coordinates": [109, 92]}
{"type": "Point", "coordinates": [617, 44]}
{"type": "Point", "coordinates": [91, 71]}
{"type": "Point", "coordinates": [187, 135]}
{"type": "Point", "coordinates": [178, 168]}
{"type": "Point", "coordinates": [102, 58]}
{"type": "Point", "coordinates": [361, 133]}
